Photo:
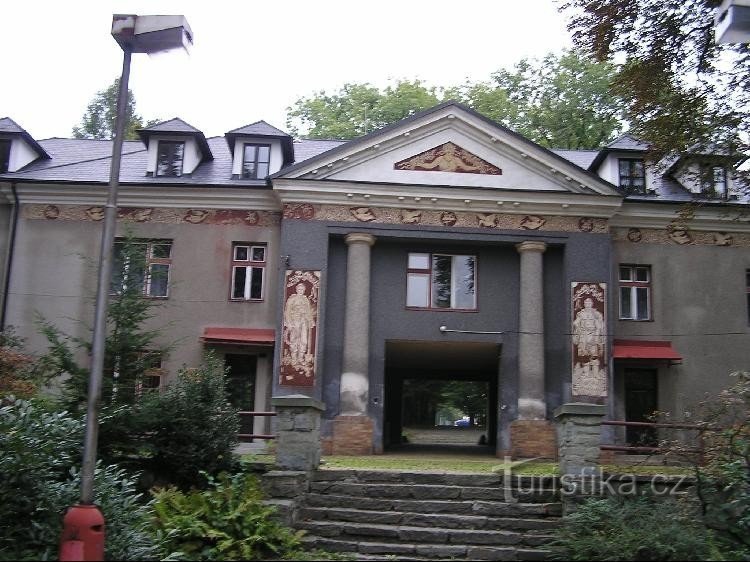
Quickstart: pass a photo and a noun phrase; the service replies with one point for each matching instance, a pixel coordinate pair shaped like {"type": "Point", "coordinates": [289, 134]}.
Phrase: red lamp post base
{"type": "Point", "coordinates": [83, 534]}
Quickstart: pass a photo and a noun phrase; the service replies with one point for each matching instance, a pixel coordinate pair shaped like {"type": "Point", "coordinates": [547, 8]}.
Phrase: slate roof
{"type": "Point", "coordinates": [581, 158]}
{"type": "Point", "coordinates": [87, 161]}
{"type": "Point", "coordinates": [627, 142]}
{"type": "Point", "coordinates": [175, 125]}
{"type": "Point", "coordinates": [10, 127]}
{"type": "Point", "coordinates": [259, 128]}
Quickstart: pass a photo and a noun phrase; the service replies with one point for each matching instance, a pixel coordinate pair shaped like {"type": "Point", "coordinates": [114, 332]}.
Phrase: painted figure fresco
{"type": "Point", "coordinates": [448, 157]}
{"type": "Point", "coordinates": [299, 332]}
{"type": "Point", "coordinates": [589, 329]}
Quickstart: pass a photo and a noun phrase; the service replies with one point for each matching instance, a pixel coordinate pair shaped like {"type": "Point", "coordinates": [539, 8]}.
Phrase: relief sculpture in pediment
{"type": "Point", "coordinates": [448, 157]}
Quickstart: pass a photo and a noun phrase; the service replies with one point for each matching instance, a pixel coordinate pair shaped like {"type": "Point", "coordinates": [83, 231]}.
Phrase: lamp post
{"type": "Point", "coordinates": [83, 525]}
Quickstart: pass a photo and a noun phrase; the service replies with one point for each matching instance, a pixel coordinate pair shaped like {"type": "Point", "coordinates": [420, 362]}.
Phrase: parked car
{"type": "Point", "coordinates": [464, 422]}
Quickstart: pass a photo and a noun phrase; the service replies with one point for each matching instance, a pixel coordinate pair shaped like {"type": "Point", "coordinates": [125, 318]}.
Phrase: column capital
{"type": "Point", "coordinates": [359, 238]}
{"type": "Point", "coordinates": [531, 246]}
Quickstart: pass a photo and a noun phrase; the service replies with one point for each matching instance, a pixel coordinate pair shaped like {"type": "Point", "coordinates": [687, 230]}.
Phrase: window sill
{"type": "Point", "coordinates": [636, 319]}
{"type": "Point", "coordinates": [430, 309]}
{"type": "Point", "coordinates": [246, 300]}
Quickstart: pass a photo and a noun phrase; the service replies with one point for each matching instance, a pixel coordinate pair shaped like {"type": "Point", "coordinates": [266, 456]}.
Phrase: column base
{"type": "Point", "coordinates": [531, 439]}
{"type": "Point", "coordinates": [352, 435]}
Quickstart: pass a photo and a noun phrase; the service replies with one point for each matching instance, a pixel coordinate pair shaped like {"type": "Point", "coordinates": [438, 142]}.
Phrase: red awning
{"type": "Point", "coordinates": [239, 336]}
{"type": "Point", "coordinates": [644, 349]}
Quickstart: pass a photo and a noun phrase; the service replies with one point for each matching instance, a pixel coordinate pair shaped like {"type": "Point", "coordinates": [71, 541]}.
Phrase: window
{"type": "Point", "coordinates": [255, 160]}
{"type": "Point", "coordinates": [441, 281]}
{"type": "Point", "coordinates": [635, 292]}
{"type": "Point", "coordinates": [248, 272]}
{"type": "Point", "coordinates": [151, 378]}
{"type": "Point", "coordinates": [145, 264]}
{"type": "Point", "coordinates": [713, 181]}
{"type": "Point", "coordinates": [4, 155]}
{"type": "Point", "coordinates": [169, 158]}
{"type": "Point", "coordinates": [632, 175]}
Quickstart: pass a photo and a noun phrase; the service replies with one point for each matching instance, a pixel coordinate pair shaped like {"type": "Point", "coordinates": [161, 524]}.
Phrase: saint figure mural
{"type": "Point", "coordinates": [299, 333]}
{"type": "Point", "coordinates": [590, 364]}
{"type": "Point", "coordinates": [299, 319]}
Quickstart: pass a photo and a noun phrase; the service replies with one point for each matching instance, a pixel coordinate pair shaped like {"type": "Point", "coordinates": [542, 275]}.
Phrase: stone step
{"type": "Point", "coordinates": [475, 522]}
{"type": "Point", "coordinates": [375, 550]}
{"type": "Point", "coordinates": [464, 479]}
{"type": "Point", "coordinates": [467, 507]}
{"type": "Point", "coordinates": [434, 491]}
{"type": "Point", "coordinates": [419, 535]}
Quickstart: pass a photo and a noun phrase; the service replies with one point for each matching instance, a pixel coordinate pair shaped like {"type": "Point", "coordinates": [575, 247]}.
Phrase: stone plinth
{"type": "Point", "coordinates": [579, 431]}
{"type": "Point", "coordinates": [533, 439]}
{"type": "Point", "coordinates": [352, 435]}
{"type": "Point", "coordinates": [298, 429]}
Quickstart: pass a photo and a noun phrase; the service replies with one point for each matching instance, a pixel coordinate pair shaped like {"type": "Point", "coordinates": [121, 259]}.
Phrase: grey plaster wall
{"type": "Point", "coordinates": [699, 303]}
{"type": "Point", "coordinates": [320, 245]}
{"type": "Point", "coordinates": [54, 274]}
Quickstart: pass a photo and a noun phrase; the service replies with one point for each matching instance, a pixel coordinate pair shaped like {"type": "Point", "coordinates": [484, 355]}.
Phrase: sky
{"type": "Point", "coordinates": [251, 60]}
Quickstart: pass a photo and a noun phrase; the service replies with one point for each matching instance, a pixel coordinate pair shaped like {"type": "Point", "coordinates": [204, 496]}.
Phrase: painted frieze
{"type": "Point", "coordinates": [300, 328]}
{"type": "Point", "coordinates": [436, 217]}
{"type": "Point", "coordinates": [681, 236]}
{"type": "Point", "coordinates": [448, 157]}
{"type": "Point", "coordinates": [589, 341]}
{"type": "Point", "coordinates": [153, 214]}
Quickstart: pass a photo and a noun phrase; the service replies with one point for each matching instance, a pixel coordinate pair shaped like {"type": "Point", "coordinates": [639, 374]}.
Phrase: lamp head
{"type": "Point", "coordinates": [151, 34]}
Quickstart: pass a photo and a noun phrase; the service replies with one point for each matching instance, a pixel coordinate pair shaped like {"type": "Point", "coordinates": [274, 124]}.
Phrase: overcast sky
{"type": "Point", "coordinates": [253, 59]}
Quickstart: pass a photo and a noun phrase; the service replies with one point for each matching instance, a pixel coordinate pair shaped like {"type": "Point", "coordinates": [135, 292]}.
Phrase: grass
{"type": "Point", "coordinates": [466, 463]}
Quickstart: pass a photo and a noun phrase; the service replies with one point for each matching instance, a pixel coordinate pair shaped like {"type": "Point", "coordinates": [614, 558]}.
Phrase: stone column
{"type": "Point", "coordinates": [352, 428]}
{"type": "Point", "coordinates": [531, 434]}
{"type": "Point", "coordinates": [298, 427]}
{"type": "Point", "coordinates": [531, 399]}
{"type": "Point", "coordinates": [354, 378]}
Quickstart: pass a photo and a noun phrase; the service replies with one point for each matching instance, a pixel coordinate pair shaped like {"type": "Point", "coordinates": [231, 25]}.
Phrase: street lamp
{"type": "Point", "coordinates": [83, 525]}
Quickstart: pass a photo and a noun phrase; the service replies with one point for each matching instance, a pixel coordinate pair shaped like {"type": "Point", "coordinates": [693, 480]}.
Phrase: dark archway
{"type": "Point", "coordinates": [418, 377]}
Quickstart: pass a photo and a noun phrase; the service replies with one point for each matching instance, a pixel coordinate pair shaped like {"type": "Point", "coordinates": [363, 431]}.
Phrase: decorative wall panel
{"type": "Point", "coordinates": [300, 328]}
{"type": "Point", "coordinates": [589, 340]}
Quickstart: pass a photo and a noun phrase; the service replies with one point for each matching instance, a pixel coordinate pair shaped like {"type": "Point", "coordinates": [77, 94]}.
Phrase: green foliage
{"type": "Point", "coordinates": [684, 92]}
{"type": "Point", "coordinates": [358, 109]}
{"type": "Point", "coordinates": [226, 522]}
{"type": "Point", "coordinates": [560, 101]}
{"type": "Point", "coordinates": [38, 452]}
{"type": "Point", "coordinates": [17, 370]}
{"type": "Point", "coordinates": [190, 427]}
{"type": "Point", "coordinates": [633, 528]}
{"type": "Point", "coordinates": [99, 120]}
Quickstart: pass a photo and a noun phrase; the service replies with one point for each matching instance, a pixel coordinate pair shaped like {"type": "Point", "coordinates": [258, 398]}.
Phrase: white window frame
{"type": "Point", "coordinates": [150, 261]}
{"type": "Point", "coordinates": [250, 266]}
{"type": "Point", "coordinates": [429, 273]}
{"type": "Point", "coordinates": [633, 284]}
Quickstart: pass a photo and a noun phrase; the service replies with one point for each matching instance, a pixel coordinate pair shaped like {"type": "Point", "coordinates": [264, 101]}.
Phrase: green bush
{"type": "Point", "coordinates": [634, 528]}
{"type": "Point", "coordinates": [191, 427]}
{"type": "Point", "coordinates": [225, 522]}
{"type": "Point", "coordinates": [38, 450]}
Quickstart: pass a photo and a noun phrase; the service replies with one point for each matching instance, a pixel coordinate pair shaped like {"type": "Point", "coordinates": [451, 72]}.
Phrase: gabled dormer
{"type": "Point", "coordinates": [175, 148]}
{"type": "Point", "coordinates": [623, 162]}
{"type": "Point", "coordinates": [259, 150]}
{"type": "Point", "coordinates": [705, 173]}
{"type": "Point", "coordinates": [17, 147]}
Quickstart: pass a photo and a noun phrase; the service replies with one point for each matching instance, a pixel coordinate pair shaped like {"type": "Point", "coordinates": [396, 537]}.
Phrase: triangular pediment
{"type": "Point", "coordinates": [449, 146]}
{"type": "Point", "coordinates": [448, 157]}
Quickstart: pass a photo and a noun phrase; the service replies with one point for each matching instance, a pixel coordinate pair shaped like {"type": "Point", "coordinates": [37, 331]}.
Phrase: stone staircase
{"type": "Point", "coordinates": [387, 515]}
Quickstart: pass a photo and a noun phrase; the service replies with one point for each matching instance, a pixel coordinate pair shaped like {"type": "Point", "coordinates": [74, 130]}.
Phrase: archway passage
{"type": "Point", "coordinates": [441, 397]}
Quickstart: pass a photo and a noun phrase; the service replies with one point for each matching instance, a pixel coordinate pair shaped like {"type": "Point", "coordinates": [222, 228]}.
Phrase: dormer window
{"type": "Point", "coordinates": [255, 161]}
{"type": "Point", "coordinates": [169, 158]}
{"type": "Point", "coordinates": [713, 181]}
{"type": "Point", "coordinates": [632, 176]}
{"type": "Point", "coordinates": [4, 155]}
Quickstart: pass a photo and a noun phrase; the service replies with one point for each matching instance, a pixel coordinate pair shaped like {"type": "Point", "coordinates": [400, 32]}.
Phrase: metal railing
{"type": "Point", "coordinates": [652, 425]}
{"type": "Point", "coordinates": [256, 435]}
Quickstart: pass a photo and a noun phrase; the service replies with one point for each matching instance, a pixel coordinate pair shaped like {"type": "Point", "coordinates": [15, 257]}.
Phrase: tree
{"type": "Point", "coordinates": [358, 109]}
{"type": "Point", "coordinates": [684, 93]}
{"type": "Point", "coordinates": [99, 120]}
{"type": "Point", "coordinates": [561, 101]}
